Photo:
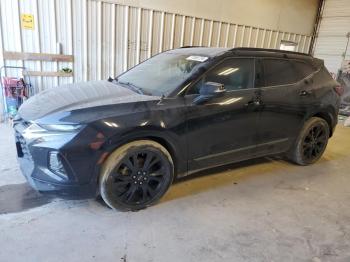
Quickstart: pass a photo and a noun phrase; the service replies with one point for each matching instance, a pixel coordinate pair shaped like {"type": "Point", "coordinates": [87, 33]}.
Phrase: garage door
{"type": "Point", "coordinates": [332, 41]}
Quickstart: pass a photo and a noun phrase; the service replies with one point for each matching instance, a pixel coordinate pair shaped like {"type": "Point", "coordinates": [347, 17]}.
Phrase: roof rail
{"type": "Point", "coordinates": [190, 46]}
{"type": "Point", "coordinates": [268, 50]}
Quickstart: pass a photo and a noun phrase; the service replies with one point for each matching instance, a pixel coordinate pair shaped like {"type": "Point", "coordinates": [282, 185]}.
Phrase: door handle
{"type": "Point", "coordinates": [304, 93]}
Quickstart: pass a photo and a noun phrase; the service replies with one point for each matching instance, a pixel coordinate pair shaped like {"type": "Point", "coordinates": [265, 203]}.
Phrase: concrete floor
{"type": "Point", "coordinates": [260, 210]}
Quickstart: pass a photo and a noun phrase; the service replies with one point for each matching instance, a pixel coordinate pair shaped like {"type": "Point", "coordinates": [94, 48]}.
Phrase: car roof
{"type": "Point", "coordinates": [262, 52]}
{"type": "Point", "coordinates": [240, 51]}
{"type": "Point", "coordinates": [200, 51]}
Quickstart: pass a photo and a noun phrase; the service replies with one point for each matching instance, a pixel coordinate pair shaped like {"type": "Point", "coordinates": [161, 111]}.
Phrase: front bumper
{"type": "Point", "coordinates": [32, 172]}
{"type": "Point", "coordinates": [33, 157]}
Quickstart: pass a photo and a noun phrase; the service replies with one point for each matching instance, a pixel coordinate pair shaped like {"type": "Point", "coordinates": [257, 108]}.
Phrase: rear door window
{"type": "Point", "coordinates": [279, 72]}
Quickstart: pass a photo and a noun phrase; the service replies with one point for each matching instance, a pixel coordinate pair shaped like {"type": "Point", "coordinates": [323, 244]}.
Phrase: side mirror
{"type": "Point", "coordinates": [208, 91]}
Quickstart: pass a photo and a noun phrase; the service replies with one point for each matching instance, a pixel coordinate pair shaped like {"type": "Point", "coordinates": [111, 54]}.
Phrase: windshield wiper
{"type": "Point", "coordinates": [132, 87]}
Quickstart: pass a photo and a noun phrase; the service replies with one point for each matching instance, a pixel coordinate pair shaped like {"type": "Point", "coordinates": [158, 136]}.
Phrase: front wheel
{"type": "Point", "coordinates": [136, 175]}
{"type": "Point", "coordinates": [311, 142]}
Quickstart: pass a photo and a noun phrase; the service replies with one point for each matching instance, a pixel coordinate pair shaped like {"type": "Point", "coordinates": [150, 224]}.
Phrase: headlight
{"type": "Point", "coordinates": [37, 131]}
{"type": "Point", "coordinates": [36, 128]}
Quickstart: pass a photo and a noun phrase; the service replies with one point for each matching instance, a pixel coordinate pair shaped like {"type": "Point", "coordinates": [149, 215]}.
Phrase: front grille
{"type": "Point", "coordinates": [22, 148]}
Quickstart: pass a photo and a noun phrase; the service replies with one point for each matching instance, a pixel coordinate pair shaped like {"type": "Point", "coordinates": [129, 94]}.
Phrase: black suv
{"type": "Point", "coordinates": [178, 112]}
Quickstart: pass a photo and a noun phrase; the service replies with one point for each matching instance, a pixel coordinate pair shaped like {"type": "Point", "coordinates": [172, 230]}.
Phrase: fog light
{"type": "Point", "coordinates": [56, 165]}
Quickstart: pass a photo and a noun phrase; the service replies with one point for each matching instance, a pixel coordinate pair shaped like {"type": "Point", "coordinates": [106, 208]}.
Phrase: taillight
{"type": "Point", "coordinates": [339, 90]}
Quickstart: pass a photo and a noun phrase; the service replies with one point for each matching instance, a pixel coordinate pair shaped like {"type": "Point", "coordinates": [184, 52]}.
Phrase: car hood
{"type": "Point", "coordinates": [78, 96]}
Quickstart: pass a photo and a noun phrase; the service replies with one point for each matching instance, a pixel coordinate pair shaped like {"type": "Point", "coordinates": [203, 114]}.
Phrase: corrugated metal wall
{"type": "Point", "coordinates": [107, 38]}
{"type": "Point", "coordinates": [331, 41]}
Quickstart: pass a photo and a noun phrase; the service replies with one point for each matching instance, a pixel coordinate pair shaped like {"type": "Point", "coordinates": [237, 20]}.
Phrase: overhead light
{"type": "Point", "coordinates": [228, 71]}
{"type": "Point", "coordinates": [230, 101]}
{"type": "Point", "coordinates": [111, 124]}
{"type": "Point", "coordinates": [144, 123]}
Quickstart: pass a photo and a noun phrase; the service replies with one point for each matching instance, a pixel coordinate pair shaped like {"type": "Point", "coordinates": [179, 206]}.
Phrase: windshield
{"type": "Point", "coordinates": [162, 73]}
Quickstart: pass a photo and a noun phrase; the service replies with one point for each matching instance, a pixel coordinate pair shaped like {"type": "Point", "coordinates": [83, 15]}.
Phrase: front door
{"type": "Point", "coordinates": [223, 129]}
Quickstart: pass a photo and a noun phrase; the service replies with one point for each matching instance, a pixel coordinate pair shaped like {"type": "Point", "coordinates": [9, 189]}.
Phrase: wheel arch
{"type": "Point", "coordinates": [328, 117]}
{"type": "Point", "coordinates": [166, 144]}
{"type": "Point", "coordinates": [161, 137]}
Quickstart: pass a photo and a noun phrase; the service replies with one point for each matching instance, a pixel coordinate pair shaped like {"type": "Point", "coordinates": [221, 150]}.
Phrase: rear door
{"type": "Point", "coordinates": [285, 90]}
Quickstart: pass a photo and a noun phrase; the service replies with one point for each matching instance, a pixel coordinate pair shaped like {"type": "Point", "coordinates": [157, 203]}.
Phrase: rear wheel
{"type": "Point", "coordinates": [311, 143]}
{"type": "Point", "coordinates": [136, 175]}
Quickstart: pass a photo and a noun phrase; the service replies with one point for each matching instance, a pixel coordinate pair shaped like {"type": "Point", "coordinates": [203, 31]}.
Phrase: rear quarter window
{"type": "Point", "coordinates": [279, 72]}
{"type": "Point", "coordinates": [304, 69]}
{"type": "Point", "coordinates": [284, 72]}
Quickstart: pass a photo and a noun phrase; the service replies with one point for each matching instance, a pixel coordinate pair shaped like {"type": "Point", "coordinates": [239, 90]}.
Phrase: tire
{"type": "Point", "coordinates": [311, 142]}
{"type": "Point", "coordinates": [136, 175]}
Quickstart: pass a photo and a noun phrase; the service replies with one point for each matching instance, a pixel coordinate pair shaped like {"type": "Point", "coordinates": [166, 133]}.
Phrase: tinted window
{"type": "Point", "coordinates": [303, 69]}
{"type": "Point", "coordinates": [279, 72]}
{"type": "Point", "coordinates": [234, 74]}
{"type": "Point", "coordinates": [259, 74]}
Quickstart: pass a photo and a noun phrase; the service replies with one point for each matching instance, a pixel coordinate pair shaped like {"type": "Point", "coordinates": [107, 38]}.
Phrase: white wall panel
{"type": "Point", "coordinates": [296, 16]}
{"type": "Point", "coordinates": [64, 34]}
{"type": "Point", "coordinates": [48, 38]}
{"type": "Point", "coordinates": [106, 38]}
{"type": "Point", "coordinates": [331, 41]}
{"type": "Point", "coordinates": [11, 32]}
{"type": "Point", "coordinates": [336, 8]}
{"type": "Point", "coordinates": [145, 37]}
{"type": "Point", "coordinates": [2, 108]}
{"type": "Point", "coordinates": [331, 45]}
{"type": "Point", "coordinates": [335, 26]}
{"type": "Point", "coordinates": [108, 45]}
{"type": "Point", "coordinates": [30, 41]}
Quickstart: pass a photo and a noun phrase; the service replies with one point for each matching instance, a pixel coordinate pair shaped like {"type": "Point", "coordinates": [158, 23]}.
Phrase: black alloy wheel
{"type": "Point", "coordinates": [140, 176]}
{"type": "Point", "coordinates": [311, 142]}
{"type": "Point", "coordinates": [315, 142]}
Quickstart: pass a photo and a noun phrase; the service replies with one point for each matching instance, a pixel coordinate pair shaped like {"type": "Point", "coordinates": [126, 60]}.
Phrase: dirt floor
{"type": "Point", "coordinates": [259, 210]}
